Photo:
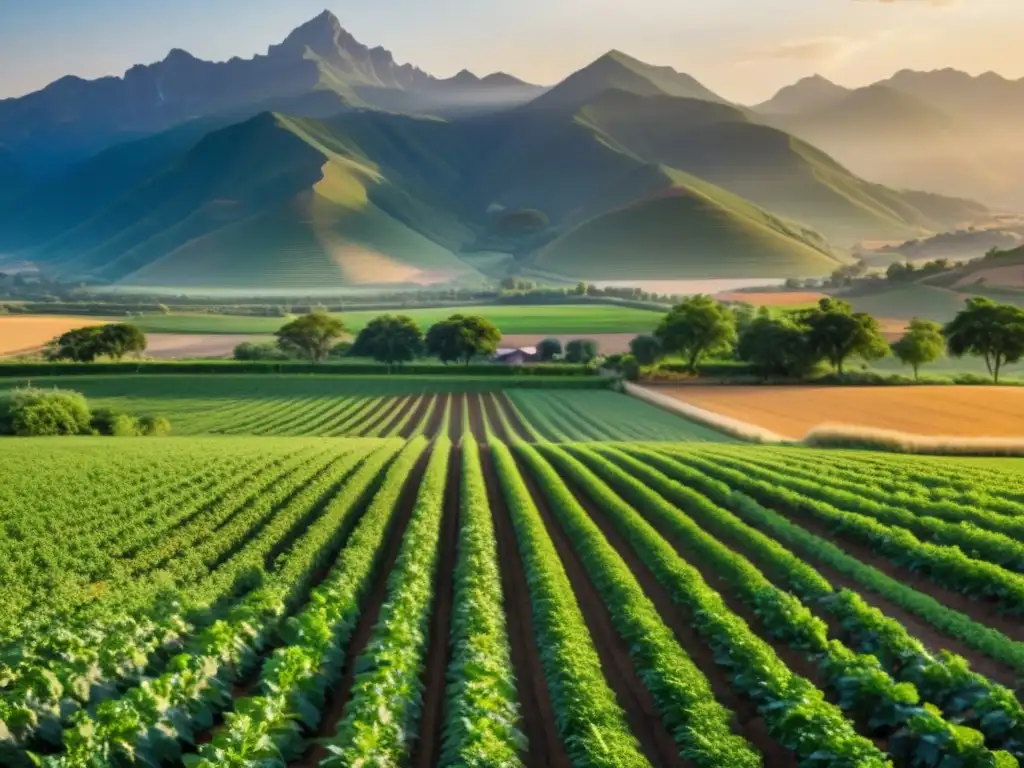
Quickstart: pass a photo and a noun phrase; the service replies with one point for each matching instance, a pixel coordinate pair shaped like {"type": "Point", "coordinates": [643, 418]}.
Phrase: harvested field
{"type": "Point", "coordinates": [182, 346]}
{"type": "Point", "coordinates": [933, 411]}
{"type": "Point", "coordinates": [27, 333]}
{"type": "Point", "coordinates": [773, 298]}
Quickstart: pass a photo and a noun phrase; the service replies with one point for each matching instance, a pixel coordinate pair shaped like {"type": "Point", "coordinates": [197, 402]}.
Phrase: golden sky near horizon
{"type": "Point", "coordinates": [744, 49]}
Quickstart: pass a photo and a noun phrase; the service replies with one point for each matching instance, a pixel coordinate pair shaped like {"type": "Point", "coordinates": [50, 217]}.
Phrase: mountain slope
{"type": "Point", "coordinates": [808, 94]}
{"type": "Point", "coordinates": [72, 119]}
{"type": "Point", "coordinates": [275, 202]}
{"type": "Point", "coordinates": [690, 231]}
{"type": "Point", "coordinates": [944, 131]}
{"type": "Point", "coordinates": [616, 70]}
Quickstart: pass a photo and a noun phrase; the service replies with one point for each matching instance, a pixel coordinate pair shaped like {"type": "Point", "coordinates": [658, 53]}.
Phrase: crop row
{"type": "Point", "coordinates": [857, 675]}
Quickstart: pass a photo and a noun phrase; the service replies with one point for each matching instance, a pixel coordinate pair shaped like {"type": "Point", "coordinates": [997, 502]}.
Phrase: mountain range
{"type": "Point", "coordinates": [945, 130]}
{"type": "Point", "coordinates": [324, 165]}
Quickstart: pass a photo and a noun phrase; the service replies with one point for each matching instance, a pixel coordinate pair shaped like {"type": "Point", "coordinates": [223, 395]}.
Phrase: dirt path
{"type": "Point", "coordinates": [513, 416]}
{"type": "Point", "coordinates": [338, 696]}
{"type": "Point", "coordinates": [748, 721]}
{"type": "Point", "coordinates": [632, 695]}
{"type": "Point", "coordinates": [427, 749]}
{"type": "Point", "coordinates": [545, 748]}
{"type": "Point", "coordinates": [421, 412]}
{"type": "Point", "coordinates": [476, 417]}
{"type": "Point", "coordinates": [437, 417]}
{"type": "Point", "coordinates": [984, 612]}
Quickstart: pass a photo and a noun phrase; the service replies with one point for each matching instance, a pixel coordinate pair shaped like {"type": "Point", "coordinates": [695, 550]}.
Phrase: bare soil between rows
{"type": "Point", "coordinates": [340, 694]}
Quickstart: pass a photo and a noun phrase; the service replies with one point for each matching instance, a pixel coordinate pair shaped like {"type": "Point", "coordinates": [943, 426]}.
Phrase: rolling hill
{"type": "Point", "coordinates": [692, 230]}
{"type": "Point", "coordinates": [273, 201]}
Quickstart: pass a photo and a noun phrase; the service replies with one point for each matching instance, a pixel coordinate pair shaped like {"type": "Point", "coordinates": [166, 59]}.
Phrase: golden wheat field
{"type": "Point", "coordinates": [23, 333]}
{"type": "Point", "coordinates": [794, 411]}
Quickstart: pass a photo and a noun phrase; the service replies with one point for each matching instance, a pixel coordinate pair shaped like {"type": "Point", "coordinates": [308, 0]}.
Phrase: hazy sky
{"type": "Point", "coordinates": [744, 49]}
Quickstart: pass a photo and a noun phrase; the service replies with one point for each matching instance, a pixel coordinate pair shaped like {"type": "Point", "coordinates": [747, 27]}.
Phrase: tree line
{"type": "Point", "coordinates": [793, 344]}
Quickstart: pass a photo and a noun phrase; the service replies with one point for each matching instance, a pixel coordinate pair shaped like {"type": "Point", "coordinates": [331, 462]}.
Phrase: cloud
{"type": "Point", "coordinates": [815, 49]}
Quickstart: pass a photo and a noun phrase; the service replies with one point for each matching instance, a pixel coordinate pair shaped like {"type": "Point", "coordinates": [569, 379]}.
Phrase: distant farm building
{"type": "Point", "coordinates": [515, 355]}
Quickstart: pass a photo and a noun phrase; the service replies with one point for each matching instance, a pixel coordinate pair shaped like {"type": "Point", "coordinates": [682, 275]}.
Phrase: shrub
{"type": "Point", "coordinates": [154, 426]}
{"type": "Point", "coordinates": [107, 421]}
{"type": "Point", "coordinates": [248, 350]}
{"type": "Point", "coordinates": [31, 412]}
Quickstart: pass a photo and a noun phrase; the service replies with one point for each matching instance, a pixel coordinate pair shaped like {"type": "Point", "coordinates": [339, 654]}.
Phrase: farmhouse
{"type": "Point", "coordinates": [515, 355]}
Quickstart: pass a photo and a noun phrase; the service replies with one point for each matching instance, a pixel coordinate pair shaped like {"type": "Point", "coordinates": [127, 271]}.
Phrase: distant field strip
{"type": "Point", "coordinates": [511, 319]}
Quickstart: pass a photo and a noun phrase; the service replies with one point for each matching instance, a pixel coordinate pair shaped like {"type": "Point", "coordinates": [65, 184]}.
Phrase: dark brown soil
{"type": "Point", "coordinates": [427, 749]}
{"type": "Point", "coordinates": [437, 417]}
{"type": "Point", "coordinates": [338, 696]}
{"type": "Point", "coordinates": [476, 418]}
{"type": "Point", "coordinates": [513, 416]}
{"type": "Point", "coordinates": [407, 405]}
{"type": "Point", "coordinates": [497, 427]}
{"type": "Point", "coordinates": [748, 722]}
{"type": "Point", "coordinates": [635, 699]}
{"type": "Point", "coordinates": [455, 420]}
{"type": "Point", "coordinates": [545, 748]}
{"type": "Point", "coordinates": [384, 414]}
{"type": "Point", "coordinates": [421, 412]}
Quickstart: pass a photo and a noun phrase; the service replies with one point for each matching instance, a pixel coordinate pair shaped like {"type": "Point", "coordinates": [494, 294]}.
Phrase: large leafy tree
{"type": "Point", "coordinates": [462, 337]}
{"type": "Point", "coordinates": [994, 332]}
{"type": "Point", "coordinates": [311, 335]}
{"type": "Point", "coordinates": [121, 339]}
{"type": "Point", "coordinates": [922, 343]}
{"type": "Point", "coordinates": [777, 347]}
{"type": "Point", "coordinates": [697, 327]}
{"type": "Point", "coordinates": [837, 333]}
{"type": "Point", "coordinates": [85, 345]}
{"type": "Point", "coordinates": [391, 339]}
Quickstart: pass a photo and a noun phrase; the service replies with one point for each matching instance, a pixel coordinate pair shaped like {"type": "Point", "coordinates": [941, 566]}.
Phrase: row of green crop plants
{"type": "Point", "coordinates": [288, 631]}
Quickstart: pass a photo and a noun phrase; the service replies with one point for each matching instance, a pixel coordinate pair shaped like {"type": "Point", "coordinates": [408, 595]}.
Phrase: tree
{"type": "Point", "coordinates": [312, 335]}
{"type": "Point", "coordinates": [80, 345]}
{"type": "Point", "coordinates": [646, 349]}
{"type": "Point", "coordinates": [837, 333]}
{"type": "Point", "coordinates": [549, 349]}
{"type": "Point", "coordinates": [696, 327]}
{"type": "Point", "coordinates": [581, 351]}
{"type": "Point", "coordinates": [390, 339]}
{"type": "Point", "coordinates": [120, 339]}
{"type": "Point", "coordinates": [985, 329]}
{"type": "Point", "coordinates": [922, 343]}
{"type": "Point", "coordinates": [777, 347]}
{"type": "Point", "coordinates": [462, 337]}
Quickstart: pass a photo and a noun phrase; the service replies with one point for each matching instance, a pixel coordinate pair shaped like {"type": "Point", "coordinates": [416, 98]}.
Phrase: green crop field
{"type": "Point", "coordinates": [326, 571]}
{"type": "Point", "coordinates": [554, 320]}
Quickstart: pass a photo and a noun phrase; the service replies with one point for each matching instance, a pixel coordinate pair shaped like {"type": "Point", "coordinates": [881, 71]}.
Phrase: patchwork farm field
{"type": "Point", "coordinates": [528, 577]}
{"type": "Point", "coordinates": [971, 411]}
